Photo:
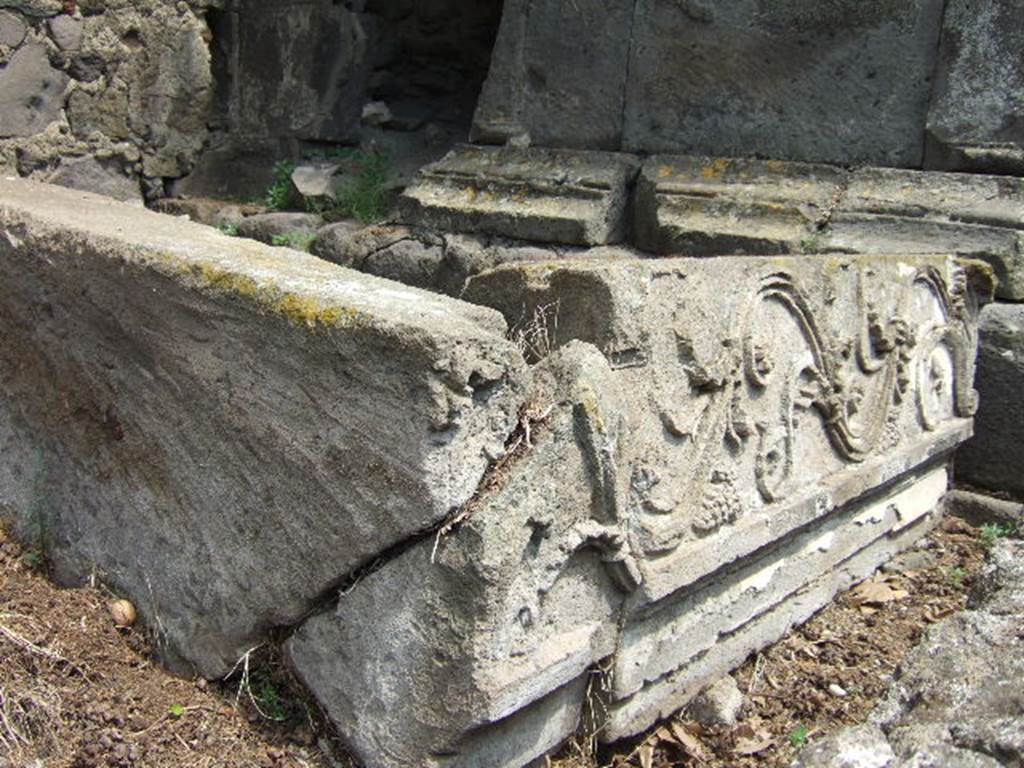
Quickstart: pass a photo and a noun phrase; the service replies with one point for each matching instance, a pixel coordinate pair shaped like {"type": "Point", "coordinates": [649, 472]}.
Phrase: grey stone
{"type": "Point", "coordinates": [974, 123]}
{"type": "Point", "coordinates": [956, 700]}
{"type": "Point", "coordinates": [913, 560]}
{"type": "Point", "coordinates": [437, 261]}
{"type": "Point", "coordinates": [66, 32]}
{"type": "Point", "coordinates": [31, 92]}
{"type": "Point", "coordinates": [979, 509]}
{"type": "Point", "coordinates": [844, 82]}
{"type": "Point", "coordinates": [719, 704]}
{"type": "Point", "coordinates": [89, 174]}
{"type": "Point", "coordinates": [862, 746]}
{"type": "Point", "coordinates": [990, 459]}
{"type": "Point", "coordinates": [319, 182]}
{"type": "Point", "coordinates": [558, 75]}
{"type": "Point", "coordinates": [267, 226]}
{"type": "Point", "coordinates": [12, 29]}
{"type": "Point", "coordinates": [215, 213]}
{"type": "Point", "coordinates": [34, 7]}
{"type": "Point", "coordinates": [224, 430]}
{"type": "Point", "coordinates": [576, 198]}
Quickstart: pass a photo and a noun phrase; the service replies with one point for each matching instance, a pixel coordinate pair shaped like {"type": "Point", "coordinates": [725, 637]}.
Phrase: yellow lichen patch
{"type": "Point", "coordinates": [715, 168]}
{"type": "Point", "coordinates": [223, 280]}
{"type": "Point", "coordinates": [308, 311]}
{"type": "Point", "coordinates": [665, 171]}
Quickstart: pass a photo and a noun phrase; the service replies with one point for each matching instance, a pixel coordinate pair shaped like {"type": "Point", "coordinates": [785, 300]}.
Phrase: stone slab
{"type": "Point", "coordinates": [844, 82]}
{"type": "Point", "coordinates": [974, 122]}
{"type": "Point", "coordinates": [558, 75]}
{"type": "Point", "coordinates": [992, 459]}
{"type": "Point", "coordinates": [755, 448]}
{"type": "Point", "coordinates": [576, 198]}
{"type": "Point", "coordinates": [224, 430]}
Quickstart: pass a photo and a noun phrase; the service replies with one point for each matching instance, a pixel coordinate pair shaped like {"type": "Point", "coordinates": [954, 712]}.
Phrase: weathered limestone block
{"type": "Point", "coordinates": [225, 430]}
{"type": "Point", "coordinates": [577, 198]}
{"type": "Point", "coordinates": [992, 458]}
{"type": "Point", "coordinates": [558, 75]}
{"type": "Point", "coordinates": [708, 206]}
{"type": "Point", "coordinates": [975, 122]}
{"type": "Point", "coordinates": [703, 468]}
{"type": "Point", "coordinates": [843, 82]}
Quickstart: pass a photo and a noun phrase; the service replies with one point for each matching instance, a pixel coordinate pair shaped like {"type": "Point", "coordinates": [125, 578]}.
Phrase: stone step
{"type": "Point", "coordinates": [553, 196]}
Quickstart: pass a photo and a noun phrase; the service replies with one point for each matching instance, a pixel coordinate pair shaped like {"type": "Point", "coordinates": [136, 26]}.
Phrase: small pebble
{"type": "Point", "coordinates": [836, 690]}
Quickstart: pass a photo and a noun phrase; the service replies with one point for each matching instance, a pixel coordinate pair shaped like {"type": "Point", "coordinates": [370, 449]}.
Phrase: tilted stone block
{"type": "Point", "coordinates": [716, 446]}
{"type": "Point", "coordinates": [577, 198]}
{"type": "Point", "coordinates": [225, 430]}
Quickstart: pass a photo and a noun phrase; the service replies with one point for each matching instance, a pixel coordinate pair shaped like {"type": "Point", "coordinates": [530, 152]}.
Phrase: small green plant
{"type": "Point", "coordinates": [811, 243]}
{"type": "Point", "coordinates": [300, 241]}
{"type": "Point", "coordinates": [993, 532]}
{"type": "Point", "coordinates": [957, 576]}
{"type": "Point", "coordinates": [281, 195]}
{"type": "Point", "coordinates": [229, 229]}
{"type": "Point", "coordinates": [176, 710]}
{"type": "Point", "coordinates": [268, 700]}
{"type": "Point", "coordinates": [799, 736]}
{"type": "Point", "coordinates": [366, 196]}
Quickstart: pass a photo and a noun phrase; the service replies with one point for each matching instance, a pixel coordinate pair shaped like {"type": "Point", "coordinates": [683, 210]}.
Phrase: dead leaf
{"type": "Point", "coordinates": [876, 593]}
{"type": "Point", "coordinates": [646, 755]}
{"type": "Point", "coordinates": [691, 745]}
{"type": "Point", "coordinates": [752, 746]}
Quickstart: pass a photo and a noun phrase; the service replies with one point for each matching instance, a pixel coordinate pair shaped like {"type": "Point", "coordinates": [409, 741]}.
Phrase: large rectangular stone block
{"type": "Point", "coordinates": [975, 120]}
{"type": "Point", "coordinates": [558, 74]}
{"type": "Point", "coordinates": [554, 196]}
{"type": "Point", "coordinates": [222, 429]}
{"type": "Point", "coordinates": [715, 447]}
{"type": "Point", "coordinates": [843, 82]}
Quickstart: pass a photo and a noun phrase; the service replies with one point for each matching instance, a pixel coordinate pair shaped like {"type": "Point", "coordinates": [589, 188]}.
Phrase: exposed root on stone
{"type": "Point", "coordinates": [531, 417]}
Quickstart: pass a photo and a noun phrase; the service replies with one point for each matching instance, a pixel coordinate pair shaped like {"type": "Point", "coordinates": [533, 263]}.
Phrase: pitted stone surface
{"type": "Point", "coordinates": [222, 429]}
{"type": "Point", "coordinates": [31, 92]}
{"type": "Point", "coordinates": [974, 123]}
{"type": "Point", "coordinates": [680, 438]}
{"type": "Point", "coordinates": [558, 75]}
{"type": "Point", "coordinates": [842, 82]}
{"type": "Point", "coordinates": [576, 198]}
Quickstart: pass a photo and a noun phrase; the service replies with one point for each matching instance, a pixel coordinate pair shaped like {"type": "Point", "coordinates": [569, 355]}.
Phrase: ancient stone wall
{"type": "Point", "coordinates": [107, 95]}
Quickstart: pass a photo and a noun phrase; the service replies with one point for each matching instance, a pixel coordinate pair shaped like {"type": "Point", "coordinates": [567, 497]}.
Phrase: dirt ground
{"type": "Point", "coordinates": [77, 691]}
